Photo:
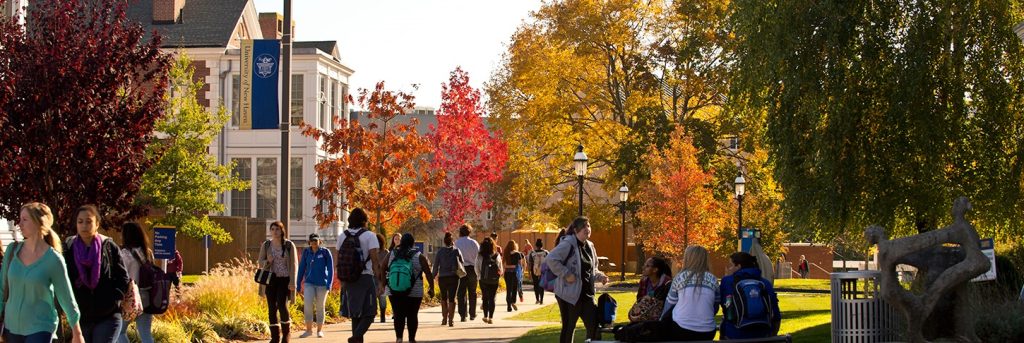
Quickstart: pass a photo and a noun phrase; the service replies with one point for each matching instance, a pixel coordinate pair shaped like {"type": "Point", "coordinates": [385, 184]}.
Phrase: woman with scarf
{"type": "Point", "coordinates": [99, 278]}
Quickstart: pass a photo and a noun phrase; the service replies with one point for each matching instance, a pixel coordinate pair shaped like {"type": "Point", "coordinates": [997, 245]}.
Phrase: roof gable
{"type": "Point", "coordinates": [203, 23]}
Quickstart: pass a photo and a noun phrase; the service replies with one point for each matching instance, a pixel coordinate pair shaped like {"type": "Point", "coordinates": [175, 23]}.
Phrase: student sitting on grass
{"type": "Point", "coordinates": [749, 303]}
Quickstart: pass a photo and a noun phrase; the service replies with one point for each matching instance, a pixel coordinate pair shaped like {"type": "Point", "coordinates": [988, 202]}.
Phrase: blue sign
{"type": "Point", "coordinates": [163, 242]}
{"type": "Point", "coordinates": [258, 101]}
{"type": "Point", "coordinates": [207, 241]}
{"type": "Point", "coordinates": [747, 240]}
{"type": "Point", "coordinates": [420, 246]}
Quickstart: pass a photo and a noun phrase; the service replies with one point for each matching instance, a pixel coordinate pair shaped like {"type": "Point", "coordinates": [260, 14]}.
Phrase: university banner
{"type": "Point", "coordinates": [258, 91]}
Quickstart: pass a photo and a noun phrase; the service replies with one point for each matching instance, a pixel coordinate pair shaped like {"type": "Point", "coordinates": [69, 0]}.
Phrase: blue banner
{"type": "Point", "coordinates": [261, 62]}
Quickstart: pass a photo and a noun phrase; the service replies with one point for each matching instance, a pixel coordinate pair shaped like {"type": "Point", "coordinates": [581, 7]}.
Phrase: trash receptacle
{"type": "Point", "coordinates": [859, 315]}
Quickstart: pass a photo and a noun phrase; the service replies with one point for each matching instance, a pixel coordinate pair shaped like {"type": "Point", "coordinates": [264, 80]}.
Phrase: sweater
{"type": "Point", "coordinates": [289, 255]}
{"type": "Point", "coordinates": [316, 268]}
{"type": "Point", "coordinates": [693, 301]}
{"type": "Point", "coordinates": [33, 289]}
{"type": "Point", "coordinates": [562, 265]}
{"type": "Point", "coordinates": [104, 301]}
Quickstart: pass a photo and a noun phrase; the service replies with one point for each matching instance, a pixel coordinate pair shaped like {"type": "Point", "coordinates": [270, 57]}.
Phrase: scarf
{"type": "Point", "coordinates": [87, 261]}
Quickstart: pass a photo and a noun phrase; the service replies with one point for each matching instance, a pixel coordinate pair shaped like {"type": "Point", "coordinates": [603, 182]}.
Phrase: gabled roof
{"type": "Point", "coordinates": [203, 23]}
{"type": "Point", "coordinates": [329, 47]}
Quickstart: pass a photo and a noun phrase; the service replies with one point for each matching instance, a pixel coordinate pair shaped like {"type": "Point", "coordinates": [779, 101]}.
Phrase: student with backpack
{"type": "Point", "coordinates": [99, 277]}
{"type": "Point", "coordinates": [357, 270]}
{"type": "Point", "coordinates": [406, 270]}
{"type": "Point", "coordinates": [315, 278]}
{"type": "Point", "coordinates": [535, 262]}
{"type": "Point", "coordinates": [277, 254]}
{"type": "Point", "coordinates": [574, 261]}
{"type": "Point", "coordinates": [136, 253]}
{"type": "Point", "coordinates": [466, 293]}
{"type": "Point", "coordinates": [448, 266]}
{"type": "Point", "coordinates": [489, 267]}
{"type": "Point", "coordinates": [513, 277]}
{"type": "Point", "coordinates": [750, 306]}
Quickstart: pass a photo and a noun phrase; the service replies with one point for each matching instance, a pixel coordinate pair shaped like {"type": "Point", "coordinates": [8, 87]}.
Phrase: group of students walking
{"type": "Point", "coordinates": [94, 280]}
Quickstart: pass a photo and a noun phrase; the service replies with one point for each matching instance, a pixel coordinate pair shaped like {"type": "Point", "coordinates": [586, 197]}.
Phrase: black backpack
{"type": "Point", "coordinates": [489, 272]}
{"type": "Point", "coordinates": [350, 258]}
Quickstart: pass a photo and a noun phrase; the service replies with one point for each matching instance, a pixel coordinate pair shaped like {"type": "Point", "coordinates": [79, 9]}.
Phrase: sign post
{"type": "Point", "coordinates": [988, 248]}
{"type": "Point", "coordinates": [163, 243]}
{"type": "Point", "coordinates": [207, 242]}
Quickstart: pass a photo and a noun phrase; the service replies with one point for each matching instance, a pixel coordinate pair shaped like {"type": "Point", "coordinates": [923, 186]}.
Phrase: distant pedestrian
{"type": "Point", "coordinates": [489, 267]}
{"type": "Point", "coordinates": [174, 268]}
{"type": "Point", "coordinates": [99, 277]}
{"type": "Point", "coordinates": [574, 261]}
{"type": "Point", "coordinates": [803, 268]}
{"type": "Point", "coordinates": [360, 291]}
{"type": "Point", "coordinates": [535, 261]}
{"type": "Point", "coordinates": [527, 247]}
{"type": "Point", "coordinates": [382, 256]}
{"type": "Point", "coordinates": [469, 249]}
{"type": "Point", "coordinates": [136, 253]}
{"type": "Point", "coordinates": [407, 296]}
{"type": "Point", "coordinates": [35, 275]}
{"type": "Point", "coordinates": [277, 254]}
{"type": "Point", "coordinates": [447, 263]}
{"type": "Point", "coordinates": [315, 278]}
{"type": "Point", "coordinates": [513, 265]}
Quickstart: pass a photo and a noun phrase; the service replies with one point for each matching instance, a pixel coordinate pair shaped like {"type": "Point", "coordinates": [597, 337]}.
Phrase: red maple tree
{"type": "Point", "coordinates": [471, 156]}
{"type": "Point", "coordinates": [81, 93]}
{"type": "Point", "coordinates": [381, 163]}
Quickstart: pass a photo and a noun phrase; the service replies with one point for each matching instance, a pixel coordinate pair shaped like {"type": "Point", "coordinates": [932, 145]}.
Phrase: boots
{"type": "Point", "coordinates": [275, 333]}
{"type": "Point", "coordinates": [451, 314]}
{"type": "Point", "coordinates": [444, 313]}
{"type": "Point", "coordinates": [286, 330]}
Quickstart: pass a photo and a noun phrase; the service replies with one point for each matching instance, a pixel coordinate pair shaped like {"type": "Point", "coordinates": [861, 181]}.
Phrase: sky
{"type": "Point", "coordinates": [406, 42]}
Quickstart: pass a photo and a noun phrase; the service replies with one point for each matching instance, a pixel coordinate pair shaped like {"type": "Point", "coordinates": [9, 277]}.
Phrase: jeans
{"type": "Point", "coordinates": [102, 331]}
{"type": "Point", "coordinates": [313, 299]}
{"type": "Point", "coordinates": [449, 286]}
{"type": "Point", "coordinates": [538, 291]}
{"type": "Point", "coordinates": [467, 284]}
{"type": "Point", "coordinates": [277, 301]}
{"type": "Point", "coordinates": [38, 337]}
{"type": "Point", "coordinates": [143, 324]}
{"type": "Point", "coordinates": [407, 309]}
{"type": "Point", "coordinates": [583, 309]}
{"type": "Point", "coordinates": [511, 288]}
{"type": "Point", "coordinates": [676, 333]}
{"type": "Point", "coordinates": [489, 293]}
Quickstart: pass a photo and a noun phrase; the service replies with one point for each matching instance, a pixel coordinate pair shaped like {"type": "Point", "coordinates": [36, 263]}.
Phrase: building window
{"type": "Point", "coordinates": [297, 100]}
{"type": "Point", "coordinates": [266, 188]}
{"type": "Point", "coordinates": [324, 114]}
{"type": "Point", "coordinates": [344, 101]}
{"type": "Point", "coordinates": [236, 93]}
{"type": "Point", "coordinates": [295, 189]}
{"type": "Point", "coordinates": [241, 201]}
{"type": "Point", "coordinates": [734, 143]}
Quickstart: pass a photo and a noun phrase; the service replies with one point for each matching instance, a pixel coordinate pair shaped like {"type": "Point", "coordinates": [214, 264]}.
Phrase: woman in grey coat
{"type": "Point", "coordinates": [574, 261]}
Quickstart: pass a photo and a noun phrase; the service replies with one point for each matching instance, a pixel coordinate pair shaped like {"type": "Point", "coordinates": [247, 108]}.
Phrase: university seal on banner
{"type": "Point", "coordinates": [265, 65]}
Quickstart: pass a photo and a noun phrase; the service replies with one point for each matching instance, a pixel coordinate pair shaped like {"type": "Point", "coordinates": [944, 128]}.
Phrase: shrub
{"type": "Point", "coordinates": [1001, 323]}
{"type": "Point", "coordinates": [201, 330]}
{"type": "Point", "coordinates": [168, 332]}
{"type": "Point", "coordinates": [227, 291]}
{"type": "Point", "coordinates": [240, 328]}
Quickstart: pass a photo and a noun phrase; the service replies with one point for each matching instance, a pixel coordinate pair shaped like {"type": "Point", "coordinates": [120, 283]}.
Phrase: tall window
{"type": "Point", "coordinates": [324, 115]}
{"type": "Point", "coordinates": [335, 106]}
{"type": "Point", "coordinates": [266, 188]}
{"type": "Point", "coordinates": [241, 201]}
{"type": "Point", "coordinates": [343, 105]}
{"type": "Point", "coordinates": [295, 189]}
{"type": "Point", "coordinates": [297, 93]}
{"type": "Point", "coordinates": [236, 86]}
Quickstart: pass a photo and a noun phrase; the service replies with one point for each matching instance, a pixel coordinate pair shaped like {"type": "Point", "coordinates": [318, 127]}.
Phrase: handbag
{"type": "Point", "coordinates": [650, 306]}
{"type": "Point", "coordinates": [263, 276]}
{"type": "Point", "coordinates": [131, 305]}
{"type": "Point", "coordinates": [460, 271]}
{"type": "Point", "coordinates": [548, 277]}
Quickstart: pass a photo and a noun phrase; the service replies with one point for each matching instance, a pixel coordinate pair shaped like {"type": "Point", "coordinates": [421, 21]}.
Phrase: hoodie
{"type": "Point", "coordinates": [727, 288]}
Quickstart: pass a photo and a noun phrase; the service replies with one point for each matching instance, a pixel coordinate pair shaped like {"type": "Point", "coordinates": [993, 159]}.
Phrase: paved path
{"type": "Point", "coordinates": [430, 329]}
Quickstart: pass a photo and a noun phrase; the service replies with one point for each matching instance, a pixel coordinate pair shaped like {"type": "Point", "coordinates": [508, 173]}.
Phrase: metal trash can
{"type": "Point", "coordinates": [859, 315]}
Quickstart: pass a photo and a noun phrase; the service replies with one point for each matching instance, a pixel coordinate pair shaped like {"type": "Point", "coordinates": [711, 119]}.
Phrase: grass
{"type": "Point", "coordinates": [805, 316]}
{"type": "Point", "coordinates": [189, 279]}
{"type": "Point", "coordinates": [797, 285]}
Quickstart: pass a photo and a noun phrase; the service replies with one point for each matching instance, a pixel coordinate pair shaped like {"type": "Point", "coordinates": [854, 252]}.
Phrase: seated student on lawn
{"type": "Point", "coordinates": [751, 309]}
{"type": "Point", "coordinates": [692, 299]}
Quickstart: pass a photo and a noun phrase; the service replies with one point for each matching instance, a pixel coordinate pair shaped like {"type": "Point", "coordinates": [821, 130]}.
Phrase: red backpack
{"type": "Point", "coordinates": [350, 258]}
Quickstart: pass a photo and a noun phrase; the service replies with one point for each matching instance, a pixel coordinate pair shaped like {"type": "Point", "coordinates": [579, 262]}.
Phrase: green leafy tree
{"type": "Point", "coordinates": [186, 179]}
{"type": "Point", "coordinates": [882, 112]}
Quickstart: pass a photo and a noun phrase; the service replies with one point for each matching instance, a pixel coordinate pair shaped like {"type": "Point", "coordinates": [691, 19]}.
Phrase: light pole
{"type": "Point", "coordinates": [623, 196]}
{"type": "Point", "coordinates": [580, 162]}
{"type": "Point", "coordinates": [740, 183]}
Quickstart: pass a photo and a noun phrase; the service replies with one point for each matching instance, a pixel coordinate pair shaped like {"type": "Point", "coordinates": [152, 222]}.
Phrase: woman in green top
{"type": "Point", "coordinates": [34, 272]}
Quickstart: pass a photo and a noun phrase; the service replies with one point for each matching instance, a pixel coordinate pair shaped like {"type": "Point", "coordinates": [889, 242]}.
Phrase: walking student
{"type": "Point", "coordinates": [174, 268]}
{"type": "Point", "coordinates": [692, 299]}
{"type": "Point", "coordinates": [489, 267]}
{"type": "Point", "coordinates": [136, 252]}
{"type": "Point", "coordinates": [535, 261]}
{"type": "Point", "coordinates": [469, 249]}
{"type": "Point", "coordinates": [406, 270]}
{"type": "Point", "coordinates": [574, 261]}
{"type": "Point", "coordinates": [513, 279]}
{"type": "Point", "coordinates": [382, 256]}
{"type": "Point", "coordinates": [33, 276]}
{"type": "Point", "coordinates": [98, 276]}
{"type": "Point", "coordinates": [278, 255]}
{"type": "Point", "coordinates": [358, 263]}
{"type": "Point", "coordinates": [315, 278]}
{"type": "Point", "coordinates": [447, 265]}
{"type": "Point", "coordinates": [803, 268]}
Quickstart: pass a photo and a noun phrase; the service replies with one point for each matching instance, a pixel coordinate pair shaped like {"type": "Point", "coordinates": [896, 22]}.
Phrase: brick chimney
{"type": "Point", "coordinates": [167, 11]}
{"type": "Point", "coordinates": [271, 23]}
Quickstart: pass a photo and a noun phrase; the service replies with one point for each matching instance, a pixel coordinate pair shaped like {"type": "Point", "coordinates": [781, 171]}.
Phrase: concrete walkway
{"type": "Point", "coordinates": [430, 329]}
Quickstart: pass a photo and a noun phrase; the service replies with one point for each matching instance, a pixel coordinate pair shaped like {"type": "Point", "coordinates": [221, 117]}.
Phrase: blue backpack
{"type": "Point", "coordinates": [753, 308]}
{"type": "Point", "coordinates": [606, 307]}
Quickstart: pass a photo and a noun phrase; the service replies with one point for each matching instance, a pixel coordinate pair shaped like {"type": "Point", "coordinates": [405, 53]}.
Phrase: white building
{"type": "Point", "coordinates": [210, 32]}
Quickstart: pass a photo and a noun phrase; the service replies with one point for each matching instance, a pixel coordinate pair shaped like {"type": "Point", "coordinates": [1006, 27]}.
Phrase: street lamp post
{"type": "Point", "coordinates": [580, 163]}
{"type": "Point", "coordinates": [740, 183]}
{"type": "Point", "coordinates": [623, 196]}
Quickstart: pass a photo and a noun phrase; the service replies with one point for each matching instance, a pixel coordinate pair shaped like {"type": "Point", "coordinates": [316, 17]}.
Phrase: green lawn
{"type": "Point", "coordinates": [805, 316]}
{"type": "Point", "coordinates": [189, 279]}
{"type": "Point", "coordinates": [821, 285]}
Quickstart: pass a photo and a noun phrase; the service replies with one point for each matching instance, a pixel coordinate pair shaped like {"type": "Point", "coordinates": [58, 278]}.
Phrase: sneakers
{"type": "Point", "coordinates": [514, 307]}
{"type": "Point", "coordinates": [319, 334]}
{"type": "Point", "coordinates": [306, 334]}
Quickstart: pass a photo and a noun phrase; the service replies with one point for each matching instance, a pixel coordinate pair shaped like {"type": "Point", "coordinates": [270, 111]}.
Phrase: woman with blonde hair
{"type": "Point", "coordinates": [692, 299]}
{"type": "Point", "coordinates": [35, 274]}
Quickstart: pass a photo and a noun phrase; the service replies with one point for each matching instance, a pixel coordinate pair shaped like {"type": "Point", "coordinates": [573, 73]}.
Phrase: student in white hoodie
{"type": "Point", "coordinates": [136, 251]}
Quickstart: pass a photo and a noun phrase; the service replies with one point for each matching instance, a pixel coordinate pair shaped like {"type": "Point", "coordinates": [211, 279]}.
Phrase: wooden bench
{"type": "Point", "coordinates": [776, 339]}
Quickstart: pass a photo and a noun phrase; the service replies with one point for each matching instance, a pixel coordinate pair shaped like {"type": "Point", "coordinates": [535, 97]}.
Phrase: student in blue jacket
{"type": "Point", "coordinates": [745, 268]}
{"type": "Point", "coordinates": [316, 276]}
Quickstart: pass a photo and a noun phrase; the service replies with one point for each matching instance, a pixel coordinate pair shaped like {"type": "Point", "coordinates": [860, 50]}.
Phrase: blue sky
{"type": "Point", "coordinates": [405, 42]}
